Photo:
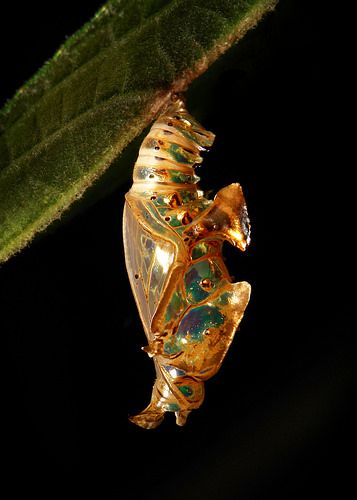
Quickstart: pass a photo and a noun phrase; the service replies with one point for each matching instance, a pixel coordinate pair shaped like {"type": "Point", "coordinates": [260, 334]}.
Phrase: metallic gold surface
{"type": "Point", "coordinates": [173, 239]}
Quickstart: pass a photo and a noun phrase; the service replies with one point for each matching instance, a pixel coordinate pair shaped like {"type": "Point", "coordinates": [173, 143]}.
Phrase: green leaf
{"type": "Point", "coordinates": [72, 120]}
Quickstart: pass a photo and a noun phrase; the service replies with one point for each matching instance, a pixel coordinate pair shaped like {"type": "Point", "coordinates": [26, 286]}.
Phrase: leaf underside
{"type": "Point", "coordinates": [67, 124]}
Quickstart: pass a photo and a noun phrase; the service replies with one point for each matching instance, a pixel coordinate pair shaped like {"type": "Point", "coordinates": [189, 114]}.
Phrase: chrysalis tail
{"type": "Point", "coordinates": [149, 418]}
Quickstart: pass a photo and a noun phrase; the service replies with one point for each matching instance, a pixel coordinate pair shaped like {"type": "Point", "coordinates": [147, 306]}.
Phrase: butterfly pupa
{"type": "Point", "coordinates": [173, 237]}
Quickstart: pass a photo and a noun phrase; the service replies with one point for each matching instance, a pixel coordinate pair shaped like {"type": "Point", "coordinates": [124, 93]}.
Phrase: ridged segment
{"type": "Point", "coordinates": [171, 150]}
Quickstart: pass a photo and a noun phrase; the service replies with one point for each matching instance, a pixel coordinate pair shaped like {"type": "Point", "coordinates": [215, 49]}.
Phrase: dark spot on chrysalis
{"type": "Point", "coordinates": [157, 147]}
{"type": "Point", "coordinates": [170, 124]}
{"type": "Point", "coordinates": [153, 197]}
{"type": "Point", "coordinates": [151, 176]}
{"type": "Point", "coordinates": [167, 218]}
{"type": "Point", "coordinates": [186, 219]}
{"type": "Point", "coordinates": [174, 201]}
{"type": "Point", "coordinates": [136, 276]}
{"type": "Point", "coordinates": [206, 284]}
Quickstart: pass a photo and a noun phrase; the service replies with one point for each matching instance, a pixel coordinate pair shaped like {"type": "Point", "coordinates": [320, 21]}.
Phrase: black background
{"type": "Point", "coordinates": [278, 419]}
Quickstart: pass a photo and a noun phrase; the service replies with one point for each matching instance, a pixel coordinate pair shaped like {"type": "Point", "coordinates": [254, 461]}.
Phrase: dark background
{"type": "Point", "coordinates": [278, 419]}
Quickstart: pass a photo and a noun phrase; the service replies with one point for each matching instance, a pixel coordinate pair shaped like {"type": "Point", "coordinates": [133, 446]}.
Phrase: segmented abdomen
{"type": "Point", "coordinates": [170, 151]}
